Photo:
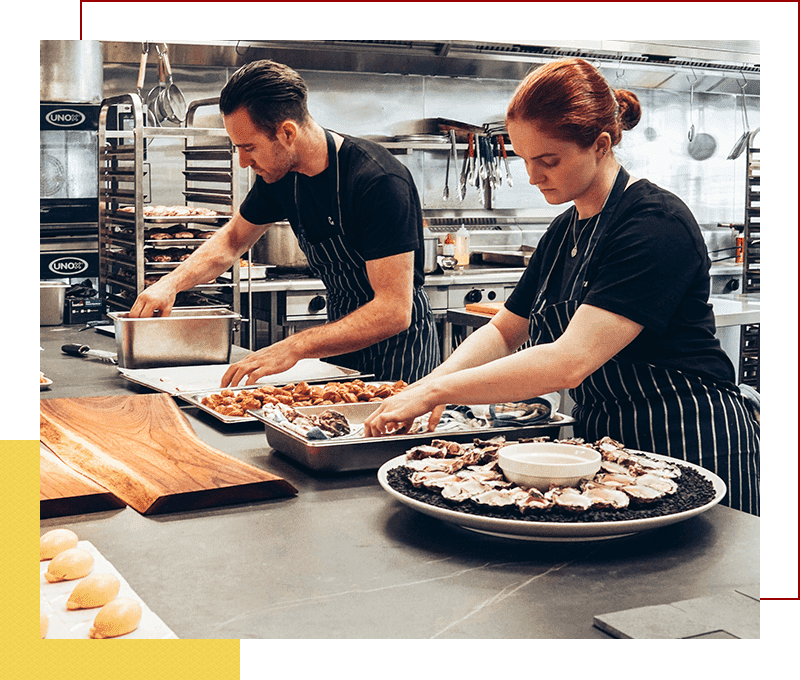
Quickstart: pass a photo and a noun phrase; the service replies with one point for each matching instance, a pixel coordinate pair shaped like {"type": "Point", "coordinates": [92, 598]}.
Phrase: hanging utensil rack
{"type": "Point", "coordinates": [126, 251]}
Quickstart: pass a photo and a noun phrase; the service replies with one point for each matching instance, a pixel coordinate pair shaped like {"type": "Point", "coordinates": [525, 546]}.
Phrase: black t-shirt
{"type": "Point", "coordinates": [651, 266]}
{"type": "Point", "coordinates": [381, 209]}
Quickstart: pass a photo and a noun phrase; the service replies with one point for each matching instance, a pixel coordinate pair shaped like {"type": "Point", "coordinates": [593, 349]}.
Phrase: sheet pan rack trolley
{"type": "Point", "coordinates": [130, 259]}
{"type": "Point", "coordinates": [751, 255]}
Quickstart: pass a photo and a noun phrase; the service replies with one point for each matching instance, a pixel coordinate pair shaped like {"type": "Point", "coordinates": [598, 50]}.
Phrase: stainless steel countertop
{"type": "Point", "coordinates": [344, 560]}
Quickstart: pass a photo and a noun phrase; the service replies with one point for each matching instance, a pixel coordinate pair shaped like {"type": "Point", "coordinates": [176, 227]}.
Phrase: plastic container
{"type": "Point", "coordinates": [462, 247]}
{"type": "Point", "coordinates": [449, 253]}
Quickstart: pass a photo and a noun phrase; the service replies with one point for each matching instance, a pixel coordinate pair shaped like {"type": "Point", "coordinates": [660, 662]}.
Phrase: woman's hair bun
{"type": "Point", "coordinates": [630, 110]}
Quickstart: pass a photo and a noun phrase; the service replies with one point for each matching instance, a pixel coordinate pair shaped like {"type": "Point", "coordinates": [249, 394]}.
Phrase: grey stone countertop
{"type": "Point", "coordinates": [343, 559]}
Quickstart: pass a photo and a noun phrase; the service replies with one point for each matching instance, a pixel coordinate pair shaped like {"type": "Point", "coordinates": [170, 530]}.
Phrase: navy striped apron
{"type": "Point", "coordinates": [409, 355]}
{"type": "Point", "coordinates": [652, 408]}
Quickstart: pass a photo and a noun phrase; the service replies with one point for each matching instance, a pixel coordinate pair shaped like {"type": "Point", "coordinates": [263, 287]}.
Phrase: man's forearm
{"type": "Point", "coordinates": [361, 328]}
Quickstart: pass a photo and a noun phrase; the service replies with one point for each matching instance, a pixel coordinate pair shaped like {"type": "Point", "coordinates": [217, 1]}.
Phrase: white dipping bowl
{"type": "Point", "coordinates": [545, 464]}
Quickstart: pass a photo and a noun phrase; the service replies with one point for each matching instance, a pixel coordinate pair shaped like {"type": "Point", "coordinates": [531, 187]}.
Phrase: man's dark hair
{"type": "Point", "coordinates": [269, 91]}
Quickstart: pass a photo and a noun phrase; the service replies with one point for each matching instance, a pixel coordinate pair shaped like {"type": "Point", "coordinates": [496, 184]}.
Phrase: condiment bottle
{"type": "Point", "coordinates": [462, 247]}
{"type": "Point", "coordinates": [449, 253]}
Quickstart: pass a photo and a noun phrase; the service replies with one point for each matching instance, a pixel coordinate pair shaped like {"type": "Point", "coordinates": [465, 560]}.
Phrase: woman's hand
{"type": "Point", "coordinates": [397, 413]}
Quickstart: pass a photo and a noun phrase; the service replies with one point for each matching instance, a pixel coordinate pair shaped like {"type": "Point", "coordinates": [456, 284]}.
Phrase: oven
{"type": "Point", "coordinates": [68, 196]}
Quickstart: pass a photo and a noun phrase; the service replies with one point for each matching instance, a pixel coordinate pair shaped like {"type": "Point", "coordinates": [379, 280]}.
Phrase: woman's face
{"type": "Point", "coordinates": [562, 171]}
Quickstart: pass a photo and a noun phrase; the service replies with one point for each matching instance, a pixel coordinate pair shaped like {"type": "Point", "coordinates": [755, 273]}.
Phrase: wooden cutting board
{"type": "Point", "coordinates": [143, 450]}
{"type": "Point", "coordinates": [490, 308]}
{"type": "Point", "coordinates": [62, 491]}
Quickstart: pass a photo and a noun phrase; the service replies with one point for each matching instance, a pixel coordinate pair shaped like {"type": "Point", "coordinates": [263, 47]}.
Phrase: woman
{"type": "Point", "coordinates": [614, 300]}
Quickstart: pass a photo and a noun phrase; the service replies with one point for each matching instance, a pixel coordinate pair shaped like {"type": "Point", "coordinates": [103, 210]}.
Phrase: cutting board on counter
{"type": "Point", "coordinates": [62, 491]}
{"type": "Point", "coordinates": [142, 449]}
{"type": "Point", "coordinates": [490, 308]}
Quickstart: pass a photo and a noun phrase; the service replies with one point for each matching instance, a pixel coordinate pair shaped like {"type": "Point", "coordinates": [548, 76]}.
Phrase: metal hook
{"type": "Point", "coordinates": [743, 84]}
{"type": "Point", "coordinates": [619, 75]}
{"type": "Point", "coordinates": [145, 47]}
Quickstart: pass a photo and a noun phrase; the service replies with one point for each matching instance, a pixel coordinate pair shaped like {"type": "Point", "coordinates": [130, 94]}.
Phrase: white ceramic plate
{"type": "Point", "coordinates": [553, 531]}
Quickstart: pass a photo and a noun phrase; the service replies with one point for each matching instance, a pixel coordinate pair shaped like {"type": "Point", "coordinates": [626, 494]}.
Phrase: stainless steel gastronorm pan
{"type": "Point", "coordinates": [189, 336]}
{"type": "Point", "coordinates": [370, 453]}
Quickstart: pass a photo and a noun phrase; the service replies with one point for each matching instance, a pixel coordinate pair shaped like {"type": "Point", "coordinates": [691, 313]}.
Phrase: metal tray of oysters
{"type": "Point", "coordinates": [355, 452]}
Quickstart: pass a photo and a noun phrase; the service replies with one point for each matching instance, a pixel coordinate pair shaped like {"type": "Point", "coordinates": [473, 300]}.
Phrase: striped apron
{"type": "Point", "coordinates": [652, 408]}
{"type": "Point", "coordinates": [409, 355]}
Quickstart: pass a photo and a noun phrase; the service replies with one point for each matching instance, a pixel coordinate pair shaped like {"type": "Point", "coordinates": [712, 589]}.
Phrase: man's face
{"type": "Point", "coordinates": [269, 158]}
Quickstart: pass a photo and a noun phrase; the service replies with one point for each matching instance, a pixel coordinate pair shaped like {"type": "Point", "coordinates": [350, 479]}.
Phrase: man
{"type": "Point", "coordinates": [357, 215]}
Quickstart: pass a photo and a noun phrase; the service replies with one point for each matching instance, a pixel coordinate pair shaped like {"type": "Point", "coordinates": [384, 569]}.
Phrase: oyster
{"type": "Point", "coordinates": [642, 493]}
{"type": "Point", "coordinates": [432, 478]}
{"type": "Point", "coordinates": [615, 479]}
{"type": "Point", "coordinates": [534, 500]}
{"type": "Point", "coordinates": [569, 498]}
{"type": "Point", "coordinates": [425, 451]}
{"type": "Point", "coordinates": [606, 497]}
{"type": "Point", "coordinates": [659, 467]}
{"type": "Point", "coordinates": [664, 484]}
{"type": "Point", "coordinates": [333, 423]}
{"type": "Point", "coordinates": [499, 497]}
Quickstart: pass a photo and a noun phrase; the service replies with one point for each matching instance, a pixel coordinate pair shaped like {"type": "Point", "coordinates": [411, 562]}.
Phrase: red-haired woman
{"type": "Point", "coordinates": [614, 300]}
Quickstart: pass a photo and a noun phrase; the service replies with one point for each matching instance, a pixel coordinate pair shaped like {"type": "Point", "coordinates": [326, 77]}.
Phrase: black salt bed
{"type": "Point", "coordinates": [694, 491]}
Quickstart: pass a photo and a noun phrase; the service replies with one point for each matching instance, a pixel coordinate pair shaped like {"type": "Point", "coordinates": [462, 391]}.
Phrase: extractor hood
{"type": "Point", "coordinates": [711, 66]}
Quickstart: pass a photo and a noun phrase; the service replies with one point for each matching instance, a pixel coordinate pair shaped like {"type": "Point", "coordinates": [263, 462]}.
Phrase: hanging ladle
{"type": "Point", "coordinates": [154, 114]}
{"type": "Point", "coordinates": [171, 101]}
{"type": "Point", "coordinates": [742, 142]}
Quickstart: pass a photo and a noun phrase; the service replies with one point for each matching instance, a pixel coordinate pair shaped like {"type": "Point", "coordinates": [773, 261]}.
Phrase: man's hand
{"type": "Point", "coordinates": [270, 360]}
{"type": "Point", "coordinates": [155, 300]}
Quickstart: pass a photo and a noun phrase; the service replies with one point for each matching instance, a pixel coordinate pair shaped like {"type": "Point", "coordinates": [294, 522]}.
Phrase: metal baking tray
{"type": "Point", "coordinates": [369, 453]}
{"type": "Point", "coordinates": [196, 398]}
{"type": "Point", "coordinates": [188, 380]}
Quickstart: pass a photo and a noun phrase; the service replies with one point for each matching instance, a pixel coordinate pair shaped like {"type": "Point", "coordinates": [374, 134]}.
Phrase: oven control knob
{"type": "Point", "coordinates": [732, 285]}
{"type": "Point", "coordinates": [474, 296]}
{"type": "Point", "coordinates": [317, 303]}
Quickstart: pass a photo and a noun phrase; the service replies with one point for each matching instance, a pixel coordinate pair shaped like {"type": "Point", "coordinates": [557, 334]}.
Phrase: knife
{"type": "Point", "coordinates": [85, 351]}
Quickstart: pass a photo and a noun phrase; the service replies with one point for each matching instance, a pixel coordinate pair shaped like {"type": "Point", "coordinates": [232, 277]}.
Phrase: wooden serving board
{"type": "Point", "coordinates": [143, 450]}
{"type": "Point", "coordinates": [62, 491]}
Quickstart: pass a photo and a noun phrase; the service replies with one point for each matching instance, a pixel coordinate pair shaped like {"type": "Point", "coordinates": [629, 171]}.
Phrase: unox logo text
{"type": "Point", "coordinates": [65, 117]}
{"type": "Point", "coordinates": [70, 266]}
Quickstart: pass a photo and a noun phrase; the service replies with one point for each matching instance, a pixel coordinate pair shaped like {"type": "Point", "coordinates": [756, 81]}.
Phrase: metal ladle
{"type": "Point", "coordinates": [171, 100]}
{"type": "Point", "coordinates": [742, 142]}
{"type": "Point", "coordinates": [154, 115]}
